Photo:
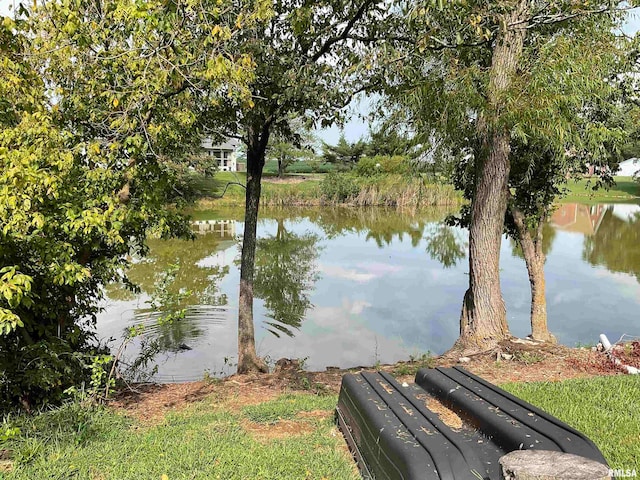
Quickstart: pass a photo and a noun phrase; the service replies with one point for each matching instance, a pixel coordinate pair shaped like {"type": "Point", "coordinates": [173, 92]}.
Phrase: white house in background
{"type": "Point", "coordinates": [225, 153]}
{"type": "Point", "coordinates": [629, 167]}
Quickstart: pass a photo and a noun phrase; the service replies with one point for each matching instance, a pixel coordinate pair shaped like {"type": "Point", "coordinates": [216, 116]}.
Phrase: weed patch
{"type": "Point", "coordinates": [415, 363]}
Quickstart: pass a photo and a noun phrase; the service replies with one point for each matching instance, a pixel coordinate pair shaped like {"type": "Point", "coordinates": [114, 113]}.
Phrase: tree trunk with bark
{"type": "Point", "coordinates": [483, 321]}
{"type": "Point", "coordinates": [248, 360]}
{"type": "Point", "coordinates": [534, 258]}
{"type": "Point", "coordinates": [280, 168]}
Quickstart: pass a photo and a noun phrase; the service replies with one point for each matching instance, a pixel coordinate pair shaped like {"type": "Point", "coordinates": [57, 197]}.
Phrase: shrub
{"type": "Point", "coordinates": [39, 373]}
{"type": "Point", "coordinates": [339, 187]}
{"type": "Point", "coordinates": [382, 164]}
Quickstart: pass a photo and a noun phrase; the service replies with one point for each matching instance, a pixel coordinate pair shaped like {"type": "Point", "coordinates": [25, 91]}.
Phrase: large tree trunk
{"type": "Point", "coordinates": [248, 360]}
{"type": "Point", "coordinates": [483, 321]}
{"type": "Point", "coordinates": [534, 258]}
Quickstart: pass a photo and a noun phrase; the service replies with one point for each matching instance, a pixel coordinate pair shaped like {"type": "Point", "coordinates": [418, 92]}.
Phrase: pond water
{"type": "Point", "coordinates": [349, 287]}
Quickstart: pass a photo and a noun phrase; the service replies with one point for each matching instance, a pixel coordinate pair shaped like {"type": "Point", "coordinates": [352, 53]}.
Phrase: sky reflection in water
{"type": "Point", "coordinates": [355, 287]}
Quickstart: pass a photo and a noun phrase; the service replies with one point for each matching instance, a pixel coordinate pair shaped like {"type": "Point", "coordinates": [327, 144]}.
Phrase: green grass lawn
{"type": "Point", "coordinates": [204, 441]}
{"type": "Point", "coordinates": [210, 440]}
{"type": "Point", "coordinates": [307, 190]}
{"type": "Point", "coordinates": [625, 189]}
{"type": "Point", "coordinates": [606, 409]}
{"type": "Point", "coordinates": [210, 187]}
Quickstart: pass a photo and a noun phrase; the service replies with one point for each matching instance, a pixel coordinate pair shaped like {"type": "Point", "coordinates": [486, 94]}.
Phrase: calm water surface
{"type": "Point", "coordinates": [346, 287]}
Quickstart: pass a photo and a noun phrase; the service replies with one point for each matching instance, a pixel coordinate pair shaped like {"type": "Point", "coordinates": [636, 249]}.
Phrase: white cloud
{"type": "Point", "coordinates": [379, 269]}
{"type": "Point", "coordinates": [358, 307]}
{"type": "Point", "coordinates": [629, 283]}
{"type": "Point", "coordinates": [568, 295]}
{"type": "Point", "coordinates": [353, 275]}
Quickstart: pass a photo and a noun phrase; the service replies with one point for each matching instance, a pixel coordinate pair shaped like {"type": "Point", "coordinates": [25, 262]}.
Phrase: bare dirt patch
{"type": "Point", "coordinates": [6, 463]}
{"type": "Point", "coordinates": [150, 403]}
{"type": "Point", "coordinates": [315, 415]}
{"type": "Point", "coordinates": [526, 362]}
{"type": "Point", "coordinates": [238, 395]}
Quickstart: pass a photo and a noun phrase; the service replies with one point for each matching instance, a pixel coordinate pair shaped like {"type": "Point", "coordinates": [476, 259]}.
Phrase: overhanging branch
{"type": "Point", "coordinates": [345, 32]}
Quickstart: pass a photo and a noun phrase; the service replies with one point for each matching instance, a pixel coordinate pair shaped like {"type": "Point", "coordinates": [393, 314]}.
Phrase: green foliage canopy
{"type": "Point", "coordinates": [344, 152]}
{"type": "Point", "coordinates": [95, 98]}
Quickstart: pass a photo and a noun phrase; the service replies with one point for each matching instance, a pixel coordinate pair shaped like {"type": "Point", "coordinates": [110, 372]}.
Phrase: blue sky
{"type": "Point", "coordinates": [633, 24]}
{"type": "Point", "coordinates": [356, 128]}
{"type": "Point", "coordinates": [4, 6]}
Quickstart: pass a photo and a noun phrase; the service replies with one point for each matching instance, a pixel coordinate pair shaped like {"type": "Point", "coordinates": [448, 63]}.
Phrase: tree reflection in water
{"type": "Point", "coordinates": [286, 269]}
{"type": "Point", "coordinates": [204, 303]}
{"type": "Point", "coordinates": [445, 244]}
{"type": "Point", "coordinates": [286, 272]}
{"type": "Point", "coordinates": [381, 225]}
{"type": "Point", "coordinates": [616, 242]}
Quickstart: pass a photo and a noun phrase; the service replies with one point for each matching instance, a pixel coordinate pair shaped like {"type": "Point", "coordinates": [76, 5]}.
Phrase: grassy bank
{"type": "Point", "coordinates": [231, 433]}
{"type": "Point", "coordinates": [385, 190]}
{"type": "Point", "coordinates": [289, 437]}
{"type": "Point", "coordinates": [625, 190]}
{"type": "Point", "coordinates": [606, 409]}
{"type": "Point", "coordinates": [309, 190]}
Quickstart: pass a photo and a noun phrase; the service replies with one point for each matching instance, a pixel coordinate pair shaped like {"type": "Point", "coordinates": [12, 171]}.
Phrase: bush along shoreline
{"type": "Point", "coordinates": [380, 189]}
{"type": "Point", "coordinates": [389, 190]}
{"type": "Point", "coordinates": [351, 189]}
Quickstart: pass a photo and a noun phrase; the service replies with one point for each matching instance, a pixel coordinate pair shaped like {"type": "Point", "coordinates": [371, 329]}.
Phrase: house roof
{"type": "Point", "coordinates": [229, 144]}
{"type": "Point", "coordinates": [575, 217]}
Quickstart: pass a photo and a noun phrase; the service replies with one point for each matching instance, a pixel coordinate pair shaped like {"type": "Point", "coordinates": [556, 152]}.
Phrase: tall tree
{"type": "Point", "coordinates": [388, 140]}
{"type": "Point", "coordinates": [304, 67]}
{"type": "Point", "coordinates": [588, 129]}
{"type": "Point", "coordinates": [533, 237]}
{"type": "Point", "coordinates": [344, 152]}
{"type": "Point", "coordinates": [467, 82]}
